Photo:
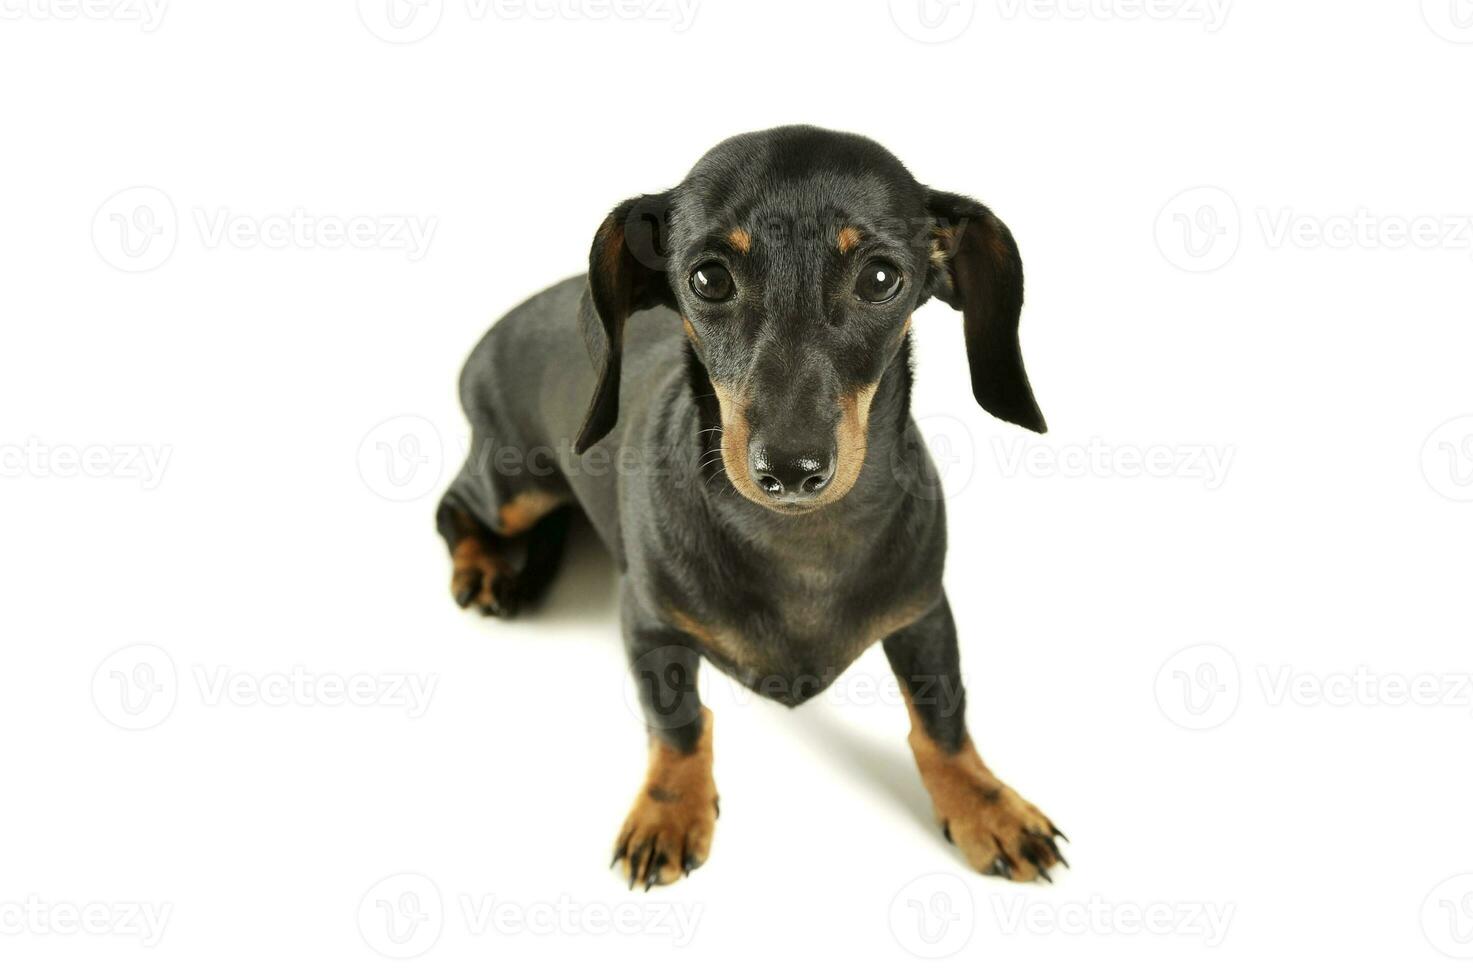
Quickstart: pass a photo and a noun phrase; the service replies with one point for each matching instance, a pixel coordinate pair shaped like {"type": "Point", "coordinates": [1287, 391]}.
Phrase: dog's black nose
{"type": "Point", "coordinates": [790, 476]}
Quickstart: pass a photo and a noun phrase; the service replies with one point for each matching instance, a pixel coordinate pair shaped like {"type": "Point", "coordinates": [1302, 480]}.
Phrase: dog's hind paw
{"type": "Point", "coordinates": [483, 579]}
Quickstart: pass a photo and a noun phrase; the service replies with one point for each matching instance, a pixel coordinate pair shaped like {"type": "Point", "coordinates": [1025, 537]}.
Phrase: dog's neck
{"type": "Point", "coordinates": [876, 494]}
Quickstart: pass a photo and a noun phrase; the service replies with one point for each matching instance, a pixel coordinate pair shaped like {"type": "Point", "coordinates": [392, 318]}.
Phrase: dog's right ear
{"type": "Point", "coordinates": [626, 273]}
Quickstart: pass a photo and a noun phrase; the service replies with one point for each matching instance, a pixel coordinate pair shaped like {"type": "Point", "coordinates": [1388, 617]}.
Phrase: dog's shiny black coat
{"type": "Point", "coordinates": [783, 601]}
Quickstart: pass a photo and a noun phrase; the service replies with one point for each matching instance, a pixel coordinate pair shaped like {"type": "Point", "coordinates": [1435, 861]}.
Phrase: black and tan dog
{"type": "Point", "coordinates": [749, 458]}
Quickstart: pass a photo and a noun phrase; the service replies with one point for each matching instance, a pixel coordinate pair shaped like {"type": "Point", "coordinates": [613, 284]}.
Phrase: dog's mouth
{"type": "Point", "coordinates": [850, 439]}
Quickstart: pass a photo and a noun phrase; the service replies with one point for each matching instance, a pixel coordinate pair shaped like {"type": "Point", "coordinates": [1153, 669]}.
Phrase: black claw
{"type": "Point", "coordinates": [1042, 872]}
{"type": "Point", "coordinates": [717, 803]}
{"type": "Point", "coordinates": [1002, 859]}
{"type": "Point", "coordinates": [1059, 833]}
{"type": "Point", "coordinates": [688, 864]}
{"type": "Point", "coordinates": [653, 876]}
{"type": "Point", "coordinates": [620, 849]}
{"type": "Point", "coordinates": [464, 596]}
{"type": "Point", "coordinates": [999, 867]}
{"type": "Point", "coordinates": [1058, 854]}
{"type": "Point", "coordinates": [634, 860]}
{"type": "Point", "coordinates": [946, 832]}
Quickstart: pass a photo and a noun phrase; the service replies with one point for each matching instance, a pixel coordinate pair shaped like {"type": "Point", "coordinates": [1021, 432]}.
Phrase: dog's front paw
{"type": "Point", "coordinates": [481, 577]}
{"type": "Point", "coordinates": [669, 829]}
{"type": "Point", "coordinates": [999, 832]}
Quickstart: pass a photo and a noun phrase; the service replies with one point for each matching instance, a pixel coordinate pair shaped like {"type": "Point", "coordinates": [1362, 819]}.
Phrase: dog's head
{"type": "Point", "coordinates": [795, 257]}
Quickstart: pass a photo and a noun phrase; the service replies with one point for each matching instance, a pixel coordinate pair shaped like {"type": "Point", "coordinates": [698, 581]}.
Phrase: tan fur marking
{"type": "Point", "coordinates": [848, 238]}
{"type": "Point", "coordinates": [853, 440]}
{"type": "Point", "coordinates": [741, 240]}
{"type": "Point", "coordinates": [525, 509]}
{"type": "Point", "coordinates": [978, 810]}
{"type": "Point", "coordinates": [474, 567]}
{"type": "Point", "coordinates": [734, 436]}
{"type": "Point", "coordinates": [674, 816]}
{"type": "Point", "coordinates": [690, 331]}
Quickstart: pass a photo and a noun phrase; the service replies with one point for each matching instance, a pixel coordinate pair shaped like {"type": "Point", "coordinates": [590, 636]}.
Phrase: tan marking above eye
{"type": "Point", "coordinates": [848, 238]}
{"type": "Point", "coordinates": [741, 240]}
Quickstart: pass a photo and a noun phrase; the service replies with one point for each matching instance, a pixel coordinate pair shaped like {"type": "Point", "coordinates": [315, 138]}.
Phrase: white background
{"type": "Point", "coordinates": [1329, 554]}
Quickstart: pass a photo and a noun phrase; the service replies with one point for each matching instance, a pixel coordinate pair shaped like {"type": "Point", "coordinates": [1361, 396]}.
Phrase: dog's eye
{"type": "Point", "coordinates": [878, 282]}
{"type": "Point", "coordinates": [712, 282]}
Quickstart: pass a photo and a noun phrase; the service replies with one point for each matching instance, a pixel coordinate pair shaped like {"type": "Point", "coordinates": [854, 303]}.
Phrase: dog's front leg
{"type": "Point", "coordinates": [999, 832]}
{"type": "Point", "coordinates": [669, 828]}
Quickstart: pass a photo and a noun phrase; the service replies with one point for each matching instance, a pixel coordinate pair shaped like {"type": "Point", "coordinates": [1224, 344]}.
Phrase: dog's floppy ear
{"type": "Point", "coordinates": [976, 269]}
{"type": "Point", "coordinates": [626, 272]}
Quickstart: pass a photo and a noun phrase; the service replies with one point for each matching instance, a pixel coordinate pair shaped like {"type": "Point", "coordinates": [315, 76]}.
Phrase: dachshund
{"type": "Point", "coordinates": [740, 354]}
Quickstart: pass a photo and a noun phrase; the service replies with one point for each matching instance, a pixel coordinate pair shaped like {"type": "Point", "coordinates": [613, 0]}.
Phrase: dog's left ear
{"type": "Point", "coordinates": [976, 269]}
{"type": "Point", "coordinates": [626, 273]}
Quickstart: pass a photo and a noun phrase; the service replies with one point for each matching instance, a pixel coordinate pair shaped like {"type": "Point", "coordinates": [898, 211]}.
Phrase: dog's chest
{"type": "Point", "coordinates": [792, 638]}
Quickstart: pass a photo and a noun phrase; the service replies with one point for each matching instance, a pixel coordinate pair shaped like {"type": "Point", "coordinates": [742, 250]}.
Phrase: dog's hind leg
{"type": "Point", "coordinates": [531, 525]}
